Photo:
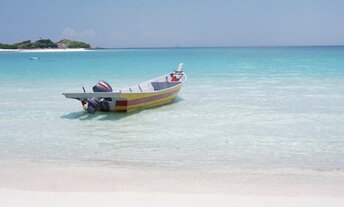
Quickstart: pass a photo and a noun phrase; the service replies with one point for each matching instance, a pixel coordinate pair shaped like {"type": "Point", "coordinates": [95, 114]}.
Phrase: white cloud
{"type": "Point", "coordinates": [88, 32]}
{"type": "Point", "coordinates": [69, 32]}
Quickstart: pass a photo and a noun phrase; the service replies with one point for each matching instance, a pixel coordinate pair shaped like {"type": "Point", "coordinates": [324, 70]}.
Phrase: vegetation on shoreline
{"type": "Point", "coordinates": [66, 43]}
{"type": "Point", "coordinates": [45, 43]}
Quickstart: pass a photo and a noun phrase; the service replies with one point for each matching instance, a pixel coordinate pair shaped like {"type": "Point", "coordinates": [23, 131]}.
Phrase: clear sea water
{"type": "Point", "coordinates": [241, 107]}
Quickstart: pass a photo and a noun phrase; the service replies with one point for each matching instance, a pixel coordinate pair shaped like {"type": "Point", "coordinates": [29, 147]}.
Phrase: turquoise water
{"type": "Point", "coordinates": [241, 107]}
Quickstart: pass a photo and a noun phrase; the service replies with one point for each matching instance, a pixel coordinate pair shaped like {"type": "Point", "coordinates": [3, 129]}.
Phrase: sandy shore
{"type": "Point", "coordinates": [44, 50]}
{"type": "Point", "coordinates": [10, 198]}
{"type": "Point", "coordinates": [9, 50]}
{"type": "Point", "coordinates": [131, 184]}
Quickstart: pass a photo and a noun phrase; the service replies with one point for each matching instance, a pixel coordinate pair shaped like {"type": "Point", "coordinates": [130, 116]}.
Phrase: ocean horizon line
{"type": "Point", "coordinates": [187, 47]}
{"type": "Point", "coordinates": [218, 47]}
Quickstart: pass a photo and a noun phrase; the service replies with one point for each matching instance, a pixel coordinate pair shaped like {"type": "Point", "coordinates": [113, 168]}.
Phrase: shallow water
{"type": "Point", "coordinates": [241, 107]}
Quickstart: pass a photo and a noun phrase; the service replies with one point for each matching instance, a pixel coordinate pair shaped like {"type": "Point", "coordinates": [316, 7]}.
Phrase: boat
{"type": "Point", "coordinates": [33, 58]}
{"type": "Point", "coordinates": [155, 92]}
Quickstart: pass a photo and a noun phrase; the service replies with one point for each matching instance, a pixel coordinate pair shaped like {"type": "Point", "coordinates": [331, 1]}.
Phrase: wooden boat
{"type": "Point", "coordinates": [158, 91]}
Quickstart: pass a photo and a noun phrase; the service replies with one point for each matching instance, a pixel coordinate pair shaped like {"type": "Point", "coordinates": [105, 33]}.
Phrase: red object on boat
{"type": "Point", "coordinates": [174, 78]}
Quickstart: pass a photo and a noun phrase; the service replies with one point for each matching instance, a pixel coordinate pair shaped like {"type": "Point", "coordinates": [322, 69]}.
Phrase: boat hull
{"type": "Point", "coordinates": [129, 102]}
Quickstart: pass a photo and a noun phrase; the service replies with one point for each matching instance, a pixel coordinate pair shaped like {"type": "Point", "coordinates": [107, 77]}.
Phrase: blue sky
{"type": "Point", "coordinates": [169, 23]}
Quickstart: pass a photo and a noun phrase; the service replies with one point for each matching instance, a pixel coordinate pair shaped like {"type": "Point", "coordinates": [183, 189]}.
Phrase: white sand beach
{"type": "Point", "coordinates": [44, 50]}
{"type": "Point", "coordinates": [11, 198]}
{"type": "Point", "coordinates": [119, 184]}
{"type": "Point", "coordinates": [9, 50]}
{"type": "Point", "coordinates": [55, 50]}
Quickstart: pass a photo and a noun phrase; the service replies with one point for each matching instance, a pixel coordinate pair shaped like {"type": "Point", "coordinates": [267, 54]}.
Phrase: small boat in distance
{"type": "Point", "coordinates": [33, 58]}
{"type": "Point", "coordinates": [158, 91]}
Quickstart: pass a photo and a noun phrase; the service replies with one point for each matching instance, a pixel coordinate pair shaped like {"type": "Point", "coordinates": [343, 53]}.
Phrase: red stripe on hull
{"type": "Point", "coordinates": [121, 103]}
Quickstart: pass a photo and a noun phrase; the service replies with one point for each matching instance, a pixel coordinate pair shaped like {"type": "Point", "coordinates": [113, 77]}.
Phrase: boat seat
{"type": "Point", "coordinates": [163, 85]}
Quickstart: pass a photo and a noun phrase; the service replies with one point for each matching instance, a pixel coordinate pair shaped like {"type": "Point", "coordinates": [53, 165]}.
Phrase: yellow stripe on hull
{"type": "Point", "coordinates": [136, 101]}
{"type": "Point", "coordinates": [149, 104]}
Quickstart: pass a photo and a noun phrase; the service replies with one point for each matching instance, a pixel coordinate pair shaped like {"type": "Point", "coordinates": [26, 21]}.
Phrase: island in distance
{"type": "Point", "coordinates": [46, 44]}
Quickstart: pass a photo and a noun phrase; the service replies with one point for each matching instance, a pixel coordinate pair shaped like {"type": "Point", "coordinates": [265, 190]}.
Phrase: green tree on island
{"type": "Point", "coordinates": [66, 43]}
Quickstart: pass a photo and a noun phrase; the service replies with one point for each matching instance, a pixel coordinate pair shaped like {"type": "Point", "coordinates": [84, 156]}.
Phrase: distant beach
{"type": "Point", "coordinates": [45, 50]}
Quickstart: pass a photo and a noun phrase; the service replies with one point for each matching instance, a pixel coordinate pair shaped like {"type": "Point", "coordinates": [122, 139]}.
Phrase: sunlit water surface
{"type": "Point", "coordinates": [241, 107]}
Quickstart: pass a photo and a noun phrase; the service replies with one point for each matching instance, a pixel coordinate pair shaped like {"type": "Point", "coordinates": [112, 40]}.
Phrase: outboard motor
{"type": "Point", "coordinates": [102, 86]}
{"type": "Point", "coordinates": [91, 105]}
